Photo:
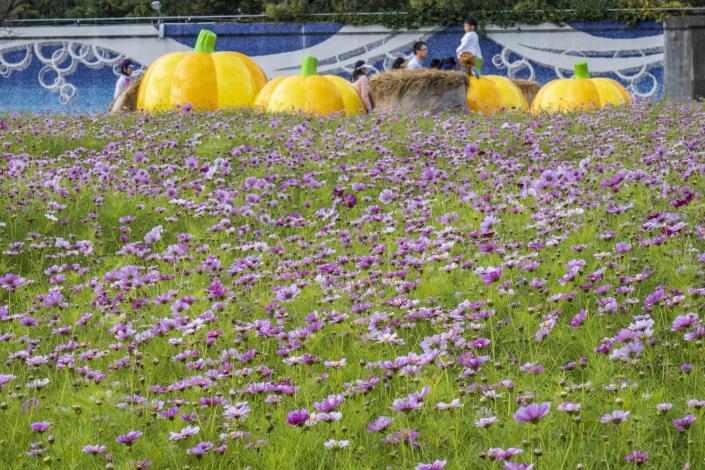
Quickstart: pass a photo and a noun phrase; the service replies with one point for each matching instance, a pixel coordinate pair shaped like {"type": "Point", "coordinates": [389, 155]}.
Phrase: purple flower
{"type": "Point", "coordinates": [379, 424]}
{"type": "Point", "coordinates": [5, 379]}
{"type": "Point", "coordinates": [94, 449]}
{"type": "Point", "coordinates": [404, 436]}
{"type": "Point", "coordinates": [637, 457]}
{"type": "Point", "coordinates": [154, 235]}
{"type": "Point", "coordinates": [486, 422]}
{"type": "Point", "coordinates": [569, 407]}
{"type": "Point", "coordinates": [616, 417]}
{"type": "Point", "coordinates": [349, 200]}
{"type": "Point", "coordinates": [129, 438]}
{"type": "Point", "coordinates": [663, 407]}
{"type": "Point", "coordinates": [682, 424]}
{"type": "Point", "coordinates": [40, 426]}
{"type": "Point", "coordinates": [142, 464]}
{"type": "Point", "coordinates": [682, 322]}
{"type": "Point", "coordinates": [298, 417]}
{"type": "Point", "coordinates": [437, 465]}
{"type": "Point", "coordinates": [287, 293]}
{"type": "Point", "coordinates": [517, 466]}
{"type": "Point", "coordinates": [329, 404]}
{"type": "Point", "coordinates": [11, 282]}
{"type": "Point", "coordinates": [532, 413]}
{"type": "Point", "coordinates": [578, 319]}
{"type": "Point", "coordinates": [184, 433]}
{"type": "Point", "coordinates": [496, 453]}
{"type": "Point", "coordinates": [387, 196]}
{"type": "Point", "coordinates": [199, 449]}
{"type": "Point", "coordinates": [489, 274]}
{"type": "Point", "coordinates": [697, 404]}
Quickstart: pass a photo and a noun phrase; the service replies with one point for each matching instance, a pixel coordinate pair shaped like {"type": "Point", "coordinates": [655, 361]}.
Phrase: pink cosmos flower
{"type": "Point", "coordinates": [129, 438]}
{"type": "Point", "coordinates": [532, 413]}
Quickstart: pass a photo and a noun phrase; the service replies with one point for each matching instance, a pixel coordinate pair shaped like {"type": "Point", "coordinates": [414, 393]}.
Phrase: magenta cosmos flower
{"type": "Point", "coordinates": [128, 438]}
{"type": "Point", "coordinates": [40, 426]}
{"type": "Point", "coordinates": [684, 423]}
{"type": "Point", "coordinates": [379, 424]}
{"type": "Point", "coordinates": [532, 413]}
{"type": "Point", "coordinates": [298, 417]}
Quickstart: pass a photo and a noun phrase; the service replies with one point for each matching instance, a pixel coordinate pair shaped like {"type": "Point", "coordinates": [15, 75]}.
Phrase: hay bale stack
{"type": "Point", "coordinates": [422, 90]}
{"type": "Point", "coordinates": [529, 88]}
{"type": "Point", "coordinates": [127, 101]}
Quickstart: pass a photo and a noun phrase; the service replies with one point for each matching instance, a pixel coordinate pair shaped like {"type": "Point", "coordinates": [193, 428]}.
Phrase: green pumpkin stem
{"type": "Point", "coordinates": [581, 70]}
{"type": "Point", "coordinates": [308, 66]}
{"type": "Point", "coordinates": [478, 66]}
{"type": "Point", "coordinates": [206, 41]}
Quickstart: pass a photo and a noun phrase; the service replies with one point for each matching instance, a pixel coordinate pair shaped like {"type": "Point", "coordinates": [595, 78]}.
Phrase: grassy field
{"type": "Point", "coordinates": [402, 292]}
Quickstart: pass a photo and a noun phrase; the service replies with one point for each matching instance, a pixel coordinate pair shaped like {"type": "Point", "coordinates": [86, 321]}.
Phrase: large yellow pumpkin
{"type": "Point", "coordinates": [580, 93]}
{"type": "Point", "coordinates": [204, 79]}
{"type": "Point", "coordinates": [491, 93]}
{"type": "Point", "coordinates": [310, 92]}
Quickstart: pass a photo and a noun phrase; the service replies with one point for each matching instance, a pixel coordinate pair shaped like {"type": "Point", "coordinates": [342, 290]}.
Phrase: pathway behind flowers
{"type": "Point", "coordinates": [235, 290]}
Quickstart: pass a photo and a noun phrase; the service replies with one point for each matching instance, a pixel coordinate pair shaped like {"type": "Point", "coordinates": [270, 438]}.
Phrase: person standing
{"type": "Point", "coordinates": [420, 50]}
{"type": "Point", "coordinates": [126, 69]}
{"type": "Point", "coordinates": [469, 53]}
{"type": "Point", "coordinates": [361, 83]}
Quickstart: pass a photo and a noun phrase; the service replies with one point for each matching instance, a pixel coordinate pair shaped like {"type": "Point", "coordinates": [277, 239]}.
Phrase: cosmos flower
{"type": "Point", "coordinates": [637, 457]}
{"type": "Point", "coordinates": [616, 417]}
{"type": "Point", "coordinates": [682, 424]}
{"type": "Point", "coordinates": [94, 449]}
{"type": "Point", "coordinates": [436, 465]}
{"type": "Point", "coordinates": [335, 444]}
{"type": "Point", "coordinates": [129, 438]}
{"type": "Point", "coordinates": [298, 417]}
{"type": "Point", "coordinates": [532, 413]}
{"type": "Point", "coordinates": [379, 424]}
{"type": "Point", "coordinates": [40, 426]}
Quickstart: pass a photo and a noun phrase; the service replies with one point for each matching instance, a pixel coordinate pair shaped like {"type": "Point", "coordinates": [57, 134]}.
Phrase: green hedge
{"type": "Point", "coordinates": [415, 12]}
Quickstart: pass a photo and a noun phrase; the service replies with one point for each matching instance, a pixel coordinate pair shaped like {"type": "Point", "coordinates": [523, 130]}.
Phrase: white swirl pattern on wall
{"type": "Point", "coordinates": [60, 61]}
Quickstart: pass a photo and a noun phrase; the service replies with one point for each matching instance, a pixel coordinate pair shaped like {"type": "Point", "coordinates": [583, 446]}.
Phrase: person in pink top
{"type": "Point", "coordinates": [361, 83]}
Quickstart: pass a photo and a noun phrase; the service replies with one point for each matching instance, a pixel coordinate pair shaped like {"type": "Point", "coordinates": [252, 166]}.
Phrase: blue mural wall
{"type": "Point", "coordinates": [78, 74]}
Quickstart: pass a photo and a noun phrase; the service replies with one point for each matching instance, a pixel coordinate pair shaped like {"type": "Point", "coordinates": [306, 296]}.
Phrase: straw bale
{"type": "Point", "coordinates": [127, 101]}
{"type": "Point", "coordinates": [529, 88]}
{"type": "Point", "coordinates": [406, 90]}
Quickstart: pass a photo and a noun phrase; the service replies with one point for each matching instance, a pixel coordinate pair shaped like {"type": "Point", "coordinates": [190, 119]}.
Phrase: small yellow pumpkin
{"type": "Point", "coordinates": [204, 79]}
{"type": "Point", "coordinates": [310, 92]}
{"type": "Point", "coordinates": [580, 93]}
{"type": "Point", "coordinates": [491, 93]}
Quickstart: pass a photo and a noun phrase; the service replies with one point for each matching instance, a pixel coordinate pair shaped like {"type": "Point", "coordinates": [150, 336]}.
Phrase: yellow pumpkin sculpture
{"type": "Point", "coordinates": [580, 93]}
{"type": "Point", "coordinates": [310, 92]}
{"type": "Point", "coordinates": [491, 93]}
{"type": "Point", "coordinates": [203, 79]}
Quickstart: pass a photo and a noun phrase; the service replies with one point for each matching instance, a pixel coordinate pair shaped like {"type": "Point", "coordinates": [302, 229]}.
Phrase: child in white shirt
{"type": "Point", "coordinates": [469, 49]}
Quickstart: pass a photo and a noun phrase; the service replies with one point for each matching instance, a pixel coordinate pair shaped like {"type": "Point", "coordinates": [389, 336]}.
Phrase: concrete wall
{"type": "Point", "coordinates": [71, 68]}
{"type": "Point", "coordinates": [684, 57]}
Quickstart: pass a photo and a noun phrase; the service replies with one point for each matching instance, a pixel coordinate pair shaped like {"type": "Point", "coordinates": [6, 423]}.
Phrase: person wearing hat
{"type": "Point", "coordinates": [361, 83]}
{"type": "Point", "coordinates": [126, 68]}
